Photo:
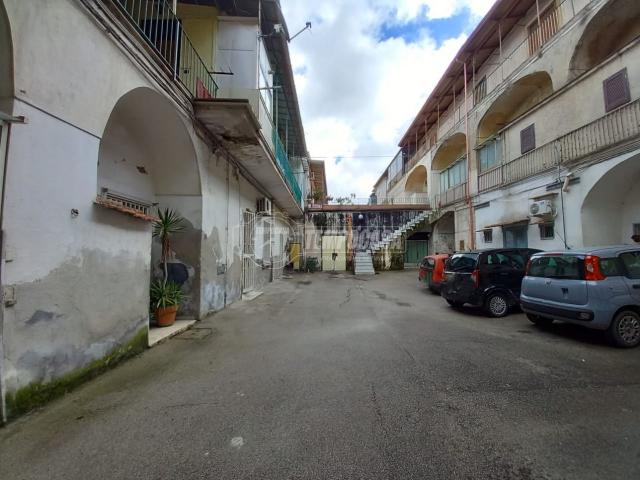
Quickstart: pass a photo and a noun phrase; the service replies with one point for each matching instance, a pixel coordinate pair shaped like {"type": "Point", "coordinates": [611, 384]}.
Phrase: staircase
{"type": "Point", "coordinates": [363, 263]}
{"type": "Point", "coordinates": [399, 232]}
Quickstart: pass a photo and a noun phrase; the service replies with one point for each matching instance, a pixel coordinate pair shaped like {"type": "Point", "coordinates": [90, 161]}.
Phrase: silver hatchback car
{"type": "Point", "coordinates": [598, 288]}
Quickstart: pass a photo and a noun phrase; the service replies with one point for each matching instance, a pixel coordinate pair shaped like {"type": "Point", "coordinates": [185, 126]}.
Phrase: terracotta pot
{"type": "Point", "coordinates": [165, 317]}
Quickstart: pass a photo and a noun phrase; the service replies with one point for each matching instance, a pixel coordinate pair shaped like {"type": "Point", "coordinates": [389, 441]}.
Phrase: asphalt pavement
{"type": "Point", "coordinates": [331, 377]}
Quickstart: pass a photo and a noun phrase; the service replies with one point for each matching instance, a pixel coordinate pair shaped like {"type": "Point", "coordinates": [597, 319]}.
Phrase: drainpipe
{"type": "Point", "coordinates": [472, 228]}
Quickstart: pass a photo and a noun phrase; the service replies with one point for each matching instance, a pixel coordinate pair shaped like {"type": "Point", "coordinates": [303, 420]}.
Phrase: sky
{"type": "Point", "coordinates": [364, 71]}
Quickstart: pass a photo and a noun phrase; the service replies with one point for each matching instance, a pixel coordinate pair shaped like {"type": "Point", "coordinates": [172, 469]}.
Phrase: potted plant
{"type": "Point", "coordinates": [166, 296]}
{"type": "Point", "coordinates": [165, 300]}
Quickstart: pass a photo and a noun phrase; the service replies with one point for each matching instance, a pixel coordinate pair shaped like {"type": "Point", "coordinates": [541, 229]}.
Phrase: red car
{"type": "Point", "coordinates": [432, 271]}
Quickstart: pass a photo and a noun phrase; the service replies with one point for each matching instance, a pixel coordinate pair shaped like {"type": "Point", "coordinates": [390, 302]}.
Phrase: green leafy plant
{"type": "Point", "coordinates": [168, 224]}
{"type": "Point", "coordinates": [165, 294]}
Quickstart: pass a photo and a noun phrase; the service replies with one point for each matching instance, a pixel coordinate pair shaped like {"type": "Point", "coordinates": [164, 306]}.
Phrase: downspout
{"type": "Point", "coordinates": [472, 228]}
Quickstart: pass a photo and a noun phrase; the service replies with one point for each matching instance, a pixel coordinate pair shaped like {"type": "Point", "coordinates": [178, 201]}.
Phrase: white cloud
{"type": "Point", "coordinates": [359, 94]}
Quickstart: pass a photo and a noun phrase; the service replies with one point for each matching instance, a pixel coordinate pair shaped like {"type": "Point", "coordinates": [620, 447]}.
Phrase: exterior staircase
{"type": "Point", "coordinates": [363, 263]}
{"type": "Point", "coordinates": [399, 232]}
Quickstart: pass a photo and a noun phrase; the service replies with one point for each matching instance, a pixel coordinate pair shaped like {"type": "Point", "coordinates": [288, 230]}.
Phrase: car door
{"type": "Point", "coordinates": [631, 262]}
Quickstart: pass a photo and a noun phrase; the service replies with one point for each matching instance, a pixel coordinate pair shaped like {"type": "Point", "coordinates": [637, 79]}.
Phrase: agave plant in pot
{"type": "Point", "coordinates": [165, 300]}
{"type": "Point", "coordinates": [166, 296]}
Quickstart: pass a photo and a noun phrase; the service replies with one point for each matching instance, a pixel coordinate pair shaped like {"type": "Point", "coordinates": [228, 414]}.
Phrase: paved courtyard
{"type": "Point", "coordinates": [331, 377]}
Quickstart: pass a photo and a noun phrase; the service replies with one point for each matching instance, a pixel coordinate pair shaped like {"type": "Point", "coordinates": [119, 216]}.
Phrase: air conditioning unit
{"type": "Point", "coordinates": [264, 206]}
{"type": "Point", "coordinates": [541, 208]}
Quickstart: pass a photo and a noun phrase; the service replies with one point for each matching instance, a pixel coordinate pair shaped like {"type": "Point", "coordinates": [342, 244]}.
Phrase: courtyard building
{"type": "Point", "coordinates": [111, 110]}
{"type": "Point", "coordinates": [532, 136]}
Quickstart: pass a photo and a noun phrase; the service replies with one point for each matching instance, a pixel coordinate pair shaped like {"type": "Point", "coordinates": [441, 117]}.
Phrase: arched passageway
{"type": "Point", "coordinates": [147, 160]}
{"type": "Point", "coordinates": [617, 24]}
{"type": "Point", "coordinates": [611, 210]}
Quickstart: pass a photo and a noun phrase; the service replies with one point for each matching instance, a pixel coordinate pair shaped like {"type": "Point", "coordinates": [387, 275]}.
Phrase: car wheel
{"type": "Point", "coordinates": [455, 304]}
{"type": "Point", "coordinates": [541, 321]}
{"type": "Point", "coordinates": [624, 330]}
{"type": "Point", "coordinates": [497, 305]}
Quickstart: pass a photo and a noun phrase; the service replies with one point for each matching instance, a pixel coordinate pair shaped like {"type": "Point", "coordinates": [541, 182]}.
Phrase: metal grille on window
{"type": "Point", "coordinates": [488, 235]}
{"type": "Point", "coordinates": [616, 90]}
{"type": "Point", "coordinates": [528, 139]}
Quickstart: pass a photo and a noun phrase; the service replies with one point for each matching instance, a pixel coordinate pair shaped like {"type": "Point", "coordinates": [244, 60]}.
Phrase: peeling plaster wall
{"type": "Point", "coordinates": [80, 284]}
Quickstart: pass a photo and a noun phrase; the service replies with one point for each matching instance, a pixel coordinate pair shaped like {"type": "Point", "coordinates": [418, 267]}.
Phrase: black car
{"type": "Point", "coordinates": [487, 278]}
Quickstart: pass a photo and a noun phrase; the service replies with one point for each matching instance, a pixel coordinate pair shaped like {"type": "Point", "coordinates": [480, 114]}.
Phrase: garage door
{"type": "Point", "coordinates": [334, 244]}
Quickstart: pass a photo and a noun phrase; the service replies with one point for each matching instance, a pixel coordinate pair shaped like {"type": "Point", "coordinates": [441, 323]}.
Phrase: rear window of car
{"type": "Point", "coordinates": [506, 259]}
{"type": "Point", "coordinates": [465, 263]}
{"type": "Point", "coordinates": [631, 263]}
{"type": "Point", "coordinates": [430, 262]}
{"type": "Point", "coordinates": [566, 267]}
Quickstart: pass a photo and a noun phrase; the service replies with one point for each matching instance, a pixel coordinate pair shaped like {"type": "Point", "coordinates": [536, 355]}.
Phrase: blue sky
{"type": "Point", "coordinates": [439, 29]}
{"type": "Point", "coordinates": [363, 73]}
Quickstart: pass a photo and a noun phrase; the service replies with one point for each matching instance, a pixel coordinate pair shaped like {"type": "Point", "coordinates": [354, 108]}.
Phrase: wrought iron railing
{"type": "Point", "coordinates": [161, 29]}
{"type": "Point", "coordinates": [608, 131]}
{"type": "Point", "coordinates": [282, 160]}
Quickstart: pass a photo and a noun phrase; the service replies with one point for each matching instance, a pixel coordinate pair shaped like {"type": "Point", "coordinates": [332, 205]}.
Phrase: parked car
{"type": "Point", "coordinates": [598, 288]}
{"type": "Point", "coordinates": [432, 271]}
{"type": "Point", "coordinates": [489, 278]}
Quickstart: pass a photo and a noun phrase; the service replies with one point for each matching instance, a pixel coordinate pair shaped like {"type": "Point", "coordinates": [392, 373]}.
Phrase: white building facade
{"type": "Point", "coordinates": [532, 137]}
{"type": "Point", "coordinates": [110, 110]}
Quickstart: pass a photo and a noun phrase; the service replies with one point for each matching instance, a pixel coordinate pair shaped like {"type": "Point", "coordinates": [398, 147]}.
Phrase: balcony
{"type": "Point", "coordinates": [157, 24]}
{"type": "Point", "coordinates": [450, 196]}
{"type": "Point", "coordinates": [611, 130]}
{"type": "Point", "coordinates": [285, 167]}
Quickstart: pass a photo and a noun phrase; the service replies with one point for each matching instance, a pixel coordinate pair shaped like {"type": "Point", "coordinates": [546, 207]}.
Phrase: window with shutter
{"type": "Point", "coordinates": [528, 139]}
{"type": "Point", "coordinates": [480, 91]}
{"type": "Point", "coordinates": [616, 90]}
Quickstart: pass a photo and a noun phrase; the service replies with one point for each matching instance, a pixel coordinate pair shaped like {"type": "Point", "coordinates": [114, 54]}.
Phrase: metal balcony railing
{"type": "Point", "coordinates": [285, 167]}
{"type": "Point", "coordinates": [608, 131]}
{"type": "Point", "coordinates": [161, 29]}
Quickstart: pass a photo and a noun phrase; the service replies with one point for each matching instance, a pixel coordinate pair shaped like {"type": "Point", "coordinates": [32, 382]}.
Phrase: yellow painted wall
{"type": "Point", "coordinates": [200, 23]}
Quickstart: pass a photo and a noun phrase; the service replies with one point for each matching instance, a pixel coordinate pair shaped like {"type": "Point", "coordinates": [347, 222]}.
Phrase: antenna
{"type": "Point", "coordinates": [306, 27]}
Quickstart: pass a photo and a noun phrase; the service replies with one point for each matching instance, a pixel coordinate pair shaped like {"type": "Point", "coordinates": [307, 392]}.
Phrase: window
{"type": "Point", "coordinates": [616, 90]}
{"type": "Point", "coordinates": [636, 229]}
{"type": "Point", "coordinates": [610, 267]}
{"type": "Point", "coordinates": [631, 263]}
{"type": "Point", "coordinates": [547, 231]}
{"type": "Point", "coordinates": [453, 176]}
{"type": "Point", "coordinates": [528, 139]}
{"type": "Point", "coordinates": [490, 154]}
{"type": "Point", "coordinates": [488, 235]}
{"type": "Point", "coordinates": [265, 80]}
{"type": "Point", "coordinates": [549, 24]}
{"type": "Point", "coordinates": [480, 91]}
{"type": "Point", "coordinates": [566, 267]}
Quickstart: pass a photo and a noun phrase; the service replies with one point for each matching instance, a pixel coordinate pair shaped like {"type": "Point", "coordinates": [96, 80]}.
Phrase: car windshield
{"type": "Point", "coordinates": [465, 263]}
{"type": "Point", "coordinates": [569, 267]}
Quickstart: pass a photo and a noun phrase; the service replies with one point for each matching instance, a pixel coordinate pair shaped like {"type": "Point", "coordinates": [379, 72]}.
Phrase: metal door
{"type": "Point", "coordinates": [416, 251]}
{"type": "Point", "coordinates": [334, 244]}
{"type": "Point", "coordinates": [249, 267]}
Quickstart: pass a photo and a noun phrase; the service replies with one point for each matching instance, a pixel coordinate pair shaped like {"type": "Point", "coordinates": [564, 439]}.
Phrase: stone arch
{"type": "Point", "coordinates": [618, 190]}
{"type": "Point", "coordinates": [6, 63]}
{"type": "Point", "coordinates": [147, 153]}
{"type": "Point", "coordinates": [520, 97]}
{"type": "Point", "coordinates": [449, 151]}
{"type": "Point", "coordinates": [417, 180]}
{"type": "Point", "coordinates": [615, 25]}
